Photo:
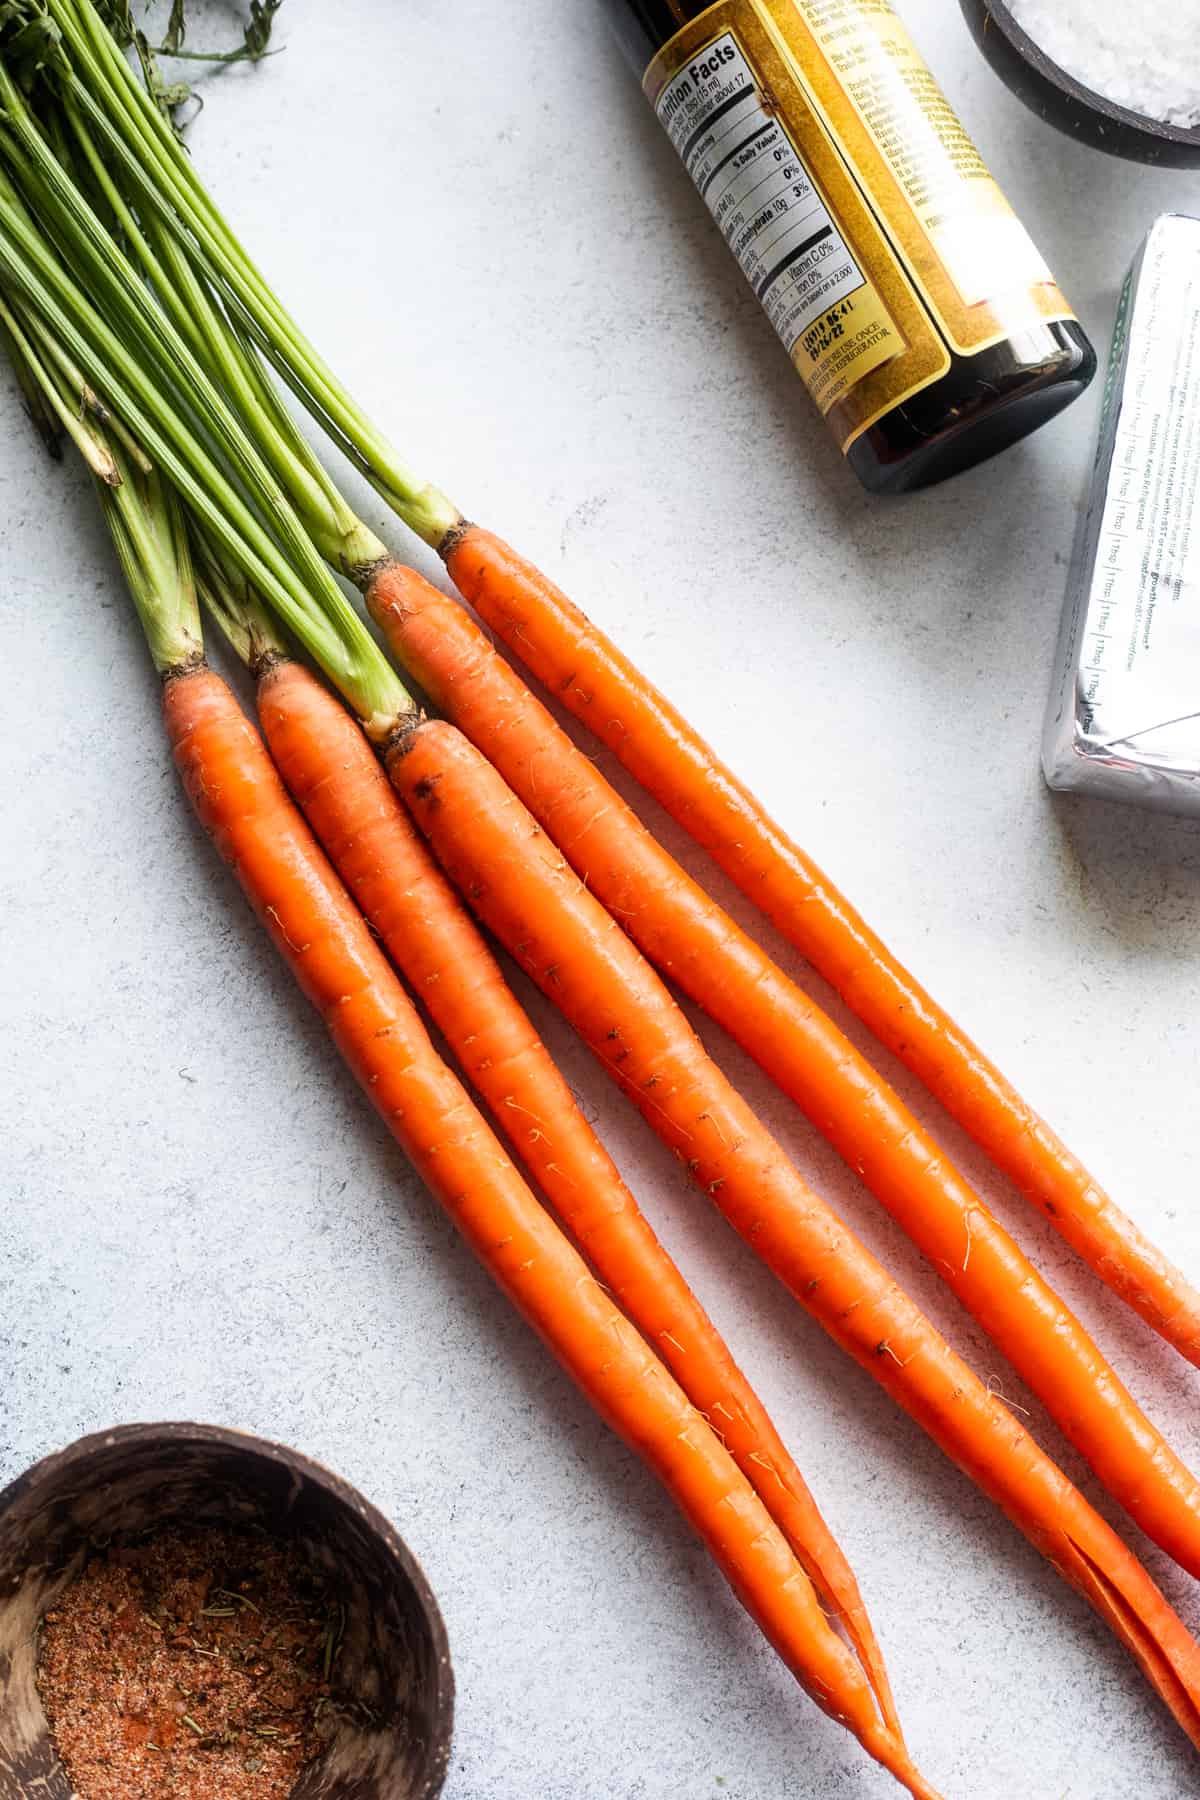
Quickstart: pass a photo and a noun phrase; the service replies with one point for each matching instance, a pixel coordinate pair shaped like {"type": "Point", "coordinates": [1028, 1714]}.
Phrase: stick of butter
{"type": "Point", "coordinates": [1124, 714]}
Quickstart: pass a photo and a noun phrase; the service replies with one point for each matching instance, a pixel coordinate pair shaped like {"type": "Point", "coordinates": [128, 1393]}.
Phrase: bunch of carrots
{"type": "Point", "coordinates": [376, 840]}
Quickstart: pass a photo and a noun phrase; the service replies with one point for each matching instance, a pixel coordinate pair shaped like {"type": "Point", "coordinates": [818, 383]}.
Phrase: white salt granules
{"type": "Point", "coordinates": [1144, 57]}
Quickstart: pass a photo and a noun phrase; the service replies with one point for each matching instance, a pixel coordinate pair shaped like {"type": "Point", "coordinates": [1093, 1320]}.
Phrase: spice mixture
{"type": "Point", "coordinates": [195, 1665]}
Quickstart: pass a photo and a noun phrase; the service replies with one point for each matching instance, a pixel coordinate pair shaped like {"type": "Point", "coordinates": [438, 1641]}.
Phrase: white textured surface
{"type": "Point", "coordinates": [1153, 70]}
{"type": "Point", "coordinates": [201, 1216]}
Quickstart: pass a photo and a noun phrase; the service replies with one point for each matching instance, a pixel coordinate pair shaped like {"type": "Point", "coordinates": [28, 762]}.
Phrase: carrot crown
{"type": "Point", "coordinates": [229, 599]}
{"type": "Point", "coordinates": [150, 534]}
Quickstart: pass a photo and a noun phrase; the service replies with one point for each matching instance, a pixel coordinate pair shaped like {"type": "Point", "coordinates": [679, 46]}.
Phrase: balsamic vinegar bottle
{"type": "Point", "coordinates": [912, 301]}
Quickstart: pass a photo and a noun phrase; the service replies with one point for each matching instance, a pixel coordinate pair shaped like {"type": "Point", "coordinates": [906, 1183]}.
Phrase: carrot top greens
{"type": "Point", "coordinates": [114, 298]}
{"type": "Point", "coordinates": [71, 48]}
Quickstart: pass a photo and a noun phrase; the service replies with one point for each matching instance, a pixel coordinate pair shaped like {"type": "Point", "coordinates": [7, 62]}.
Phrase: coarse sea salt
{"type": "Point", "coordinates": [1143, 58]}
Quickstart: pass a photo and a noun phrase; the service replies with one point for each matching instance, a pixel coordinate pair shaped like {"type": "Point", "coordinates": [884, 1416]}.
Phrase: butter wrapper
{"type": "Point", "coordinates": [1124, 713]}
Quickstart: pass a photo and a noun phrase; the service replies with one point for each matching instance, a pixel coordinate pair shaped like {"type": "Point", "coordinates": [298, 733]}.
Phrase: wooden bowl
{"type": "Point", "coordinates": [1056, 96]}
{"type": "Point", "coordinates": [137, 1478]}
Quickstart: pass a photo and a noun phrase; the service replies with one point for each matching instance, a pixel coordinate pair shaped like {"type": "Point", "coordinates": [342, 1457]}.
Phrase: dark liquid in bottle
{"type": "Point", "coordinates": [982, 403]}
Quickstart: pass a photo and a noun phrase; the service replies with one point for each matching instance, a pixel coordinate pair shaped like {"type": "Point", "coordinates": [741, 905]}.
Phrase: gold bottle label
{"type": "Point", "coordinates": [856, 204]}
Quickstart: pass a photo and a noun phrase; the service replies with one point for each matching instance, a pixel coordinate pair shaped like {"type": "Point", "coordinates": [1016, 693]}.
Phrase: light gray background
{"type": "Point", "coordinates": [471, 209]}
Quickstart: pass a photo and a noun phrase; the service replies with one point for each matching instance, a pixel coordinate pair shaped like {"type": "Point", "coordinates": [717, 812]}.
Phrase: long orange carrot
{"type": "Point", "coordinates": [335, 777]}
{"type": "Point", "coordinates": [241, 801]}
{"type": "Point", "coordinates": [590, 676]}
{"type": "Point", "coordinates": [523, 888]}
{"type": "Point", "coordinates": [683, 931]}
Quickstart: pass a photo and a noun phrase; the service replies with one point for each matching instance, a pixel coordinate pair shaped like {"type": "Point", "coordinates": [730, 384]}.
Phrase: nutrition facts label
{"type": "Point", "coordinates": [750, 174]}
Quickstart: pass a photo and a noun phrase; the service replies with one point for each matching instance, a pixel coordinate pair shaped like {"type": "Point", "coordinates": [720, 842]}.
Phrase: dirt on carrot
{"type": "Point", "coordinates": [194, 1664]}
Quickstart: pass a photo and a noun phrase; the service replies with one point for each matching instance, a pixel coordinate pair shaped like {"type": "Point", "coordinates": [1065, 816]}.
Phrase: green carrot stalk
{"type": "Point", "coordinates": [49, 399]}
{"type": "Point", "coordinates": [165, 394]}
{"type": "Point", "coordinates": [150, 534]}
{"type": "Point", "coordinates": [43, 416]}
{"type": "Point", "coordinates": [181, 347]}
{"type": "Point", "coordinates": [249, 626]}
{"type": "Point", "coordinates": [132, 130]}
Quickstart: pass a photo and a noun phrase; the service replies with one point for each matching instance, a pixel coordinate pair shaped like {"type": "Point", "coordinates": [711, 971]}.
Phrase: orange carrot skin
{"type": "Point", "coordinates": [590, 676]}
{"type": "Point", "coordinates": [688, 936]}
{"type": "Point", "coordinates": [335, 777]}
{"type": "Point", "coordinates": [314, 924]}
{"type": "Point", "coordinates": [524, 890]}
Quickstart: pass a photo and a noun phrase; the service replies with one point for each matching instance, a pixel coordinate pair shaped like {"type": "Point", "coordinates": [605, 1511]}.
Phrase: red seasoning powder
{"type": "Point", "coordinates": [195, 1665]}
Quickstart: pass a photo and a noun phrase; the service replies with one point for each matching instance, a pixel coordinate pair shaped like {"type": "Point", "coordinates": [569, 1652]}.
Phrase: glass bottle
{"type": "Point", "coordinates": [913, 303]}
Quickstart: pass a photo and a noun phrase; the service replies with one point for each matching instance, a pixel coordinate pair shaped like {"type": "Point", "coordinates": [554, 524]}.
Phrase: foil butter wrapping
{"type": "Point", "coordinates": [1124, 714]}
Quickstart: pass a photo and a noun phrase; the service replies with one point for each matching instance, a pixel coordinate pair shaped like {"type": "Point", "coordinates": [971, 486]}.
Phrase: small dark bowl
{"type": "Point", "coordinates": [1057, 97]}
{"type": "Point", "coordinates": [394, 1657]}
